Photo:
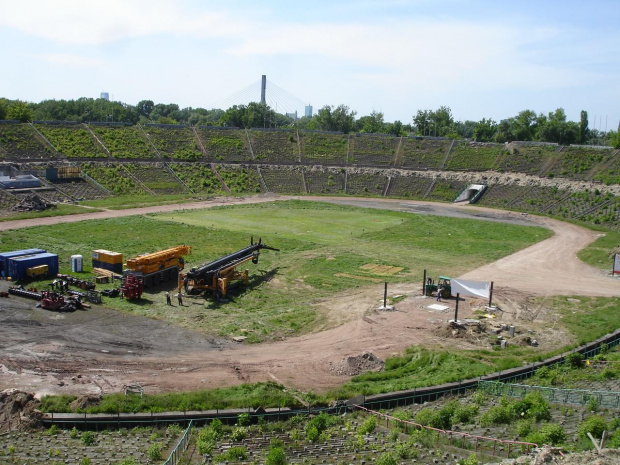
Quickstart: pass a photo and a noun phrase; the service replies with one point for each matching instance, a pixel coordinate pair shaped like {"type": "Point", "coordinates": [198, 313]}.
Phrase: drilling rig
{"type": "Point", "coordinates": [217, 275]}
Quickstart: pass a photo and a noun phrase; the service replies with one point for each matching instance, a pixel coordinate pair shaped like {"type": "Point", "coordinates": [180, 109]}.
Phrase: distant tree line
{"type": "Point", "coordinates": [525, 126]}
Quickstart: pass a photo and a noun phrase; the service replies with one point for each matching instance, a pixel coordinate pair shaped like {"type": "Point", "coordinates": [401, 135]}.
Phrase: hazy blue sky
{"type": "Point", "coordinates": [481, 58]}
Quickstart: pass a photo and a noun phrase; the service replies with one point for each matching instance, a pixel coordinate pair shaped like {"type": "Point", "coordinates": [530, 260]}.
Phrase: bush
{"type": "Point", "coordinates": [387, 458]}
{"type": "Point", "coordinates": [524, 428]}
{"type": "Point", "coordinates": [244, 419]}
{"type": "Point", "coordinates": [74, 433]}
{"type": "Point", "coordinates": [424, 416]}
{"type": "Point", "coordinates": [154, 451]}
{"type": "Point", "coordinates": [53, 430]}
{"type": "Point", "coordinates": [239, 434]}
{"type": "Point", "coordinates": [88, 438]}
{"type": "Point", "coordinates": [594, 425]}
{"type": "Point", "coordinates": [497, 415]}
{"type": "Point", "coordinates": [312, 433]}
{"type": "Point", "coordinates": [237, 454]}
{"type": "Point", "coordinates": [574, 360]}
{"type": "Point", "coordinates": [128, 462]}
{"type": "Point", "coordinates": [553, 434]}
{"type": "Point", "coordinates": [471, 460]}
{"type": "Point", "coordinates": [465, 414]}
{"type": "Point", "coordinates": [217, 427]}
{"type": "Point", "coordinates": [276, 456]}
{"type": "Point", "coordinates": [369, 425]}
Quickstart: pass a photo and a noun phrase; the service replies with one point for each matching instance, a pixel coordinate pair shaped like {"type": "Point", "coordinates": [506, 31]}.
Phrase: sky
{"type": "Point", "coordinates": [483, 59]}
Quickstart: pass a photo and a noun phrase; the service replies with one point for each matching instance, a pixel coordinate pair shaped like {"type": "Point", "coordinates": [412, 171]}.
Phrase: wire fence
{"type": "Point", "coordinates": [181, 447]}
{"type": "Point", "coordinates": [608, 399]}
{"type": "Point", "coordinates": [479, 444]}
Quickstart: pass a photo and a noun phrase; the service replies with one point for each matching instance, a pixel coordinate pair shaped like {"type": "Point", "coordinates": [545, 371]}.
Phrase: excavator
{"type": "Point", "coordinates": [217, 275]}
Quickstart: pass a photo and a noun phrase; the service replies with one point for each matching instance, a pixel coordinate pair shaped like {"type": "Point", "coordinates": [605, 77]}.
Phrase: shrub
{"type": "Point", "coordinates": [217, 427]}
{"type": "Point", "coordinates": [174, 429]}
{"type": "Point", "coordinates": [53, 430]}
{"type": "Point", "coordinates": [497, 415]}
{"type": "Point", "coordinates": [465, 414]}
{"type": "Point", "coordinates": [574, 360]}
{"type": "Point", "coordinates": [74, 433]}
{"type": "Point", "coordinates": [154, 451]}
{"type": "Point", "coordinates": [471, 460]}
{"type": "Point", "coordinates": [85, 461]}
{"type": "Point", "coordinates": [369, 425]}
{"type": "Point", "coordinates": [237, 454]}
{"type": "Point", "coordinates": [387, 458]}
{"type": "Point", "coordinates": [312, 433]}
{"type": "Point", "coordinates": [128, 462]}
{"type": "Point", "coordinates": [524, 428]}
{"type": "Point", "coordinates": [553, 434]}
{"type": "Point", "coordinates": [424, 416]}
{"type": "Point", "coordinates": [594, 425]}
{"type": "Point", "coordinates": [244, 419]}
{"type": "Point", "coordinates": [239, 434]}
{"type": "Point", "coordinates": [405, 450]}
{"type": "Point", "coordinates": [276, 456]}
{"type": "Point", "coordinates": [88, 438]}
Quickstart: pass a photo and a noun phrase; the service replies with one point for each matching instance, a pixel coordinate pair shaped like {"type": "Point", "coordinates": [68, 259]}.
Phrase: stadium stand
{"type": "Point", "coordinates": [283, 179]}
{"type": "Point", "coordinates": [241, 179]}
{"type": "Point", "coordinates": [409, 186]}
{"type": "Point", "coordinates": [156, 177]}
{"type": "Point", "coordinates": [71, 139]}
{"type": "Point", "coordinates": [445, 190]}
{"type": "Point", "coordinates": [20, 141]}
{"type": "Point", "coordinates": [325, 180]}
{"type": "Point", "coordinates": [114, 177]}
{"type": "Point", "coordinates": [424, 153]}
{"type": "Point", "coordinates": [174, 142]}
{"type": "Point", "coordinates": [199, 177]}
{"type": "Point", "coordinates": [325, 148]}
{"type": "Point", "coordinates": [474, 156]}
{"type": "Point", "coordinates": [224, 144]}
{"type": "Point", "coordinates": [274, 145]}
{"type": "Point", "coordinates": [526, 157]}
{"type": "Point", "coordinates": [373, 150]}
{"type": "Point", "coordinates": [123, 141]}
{"type": "Point", "coordinates": [579, 162]}
{"type": "Point", "coordinates": [366, 182]}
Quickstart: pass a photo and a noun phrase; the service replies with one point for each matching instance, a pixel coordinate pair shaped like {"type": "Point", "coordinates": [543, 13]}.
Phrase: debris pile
{"type": "Point", "coordinates": [18, 410]}
{"type": "Point", "coordinates": [33, 203]}
{"type": "Point", "coordinates": [357, 364]}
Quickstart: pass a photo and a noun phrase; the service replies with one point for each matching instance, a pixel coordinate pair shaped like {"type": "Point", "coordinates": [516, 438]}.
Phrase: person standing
{"type": "Point", "coordinates": [439, 289]}
{"type": "Point", "coordinates": [168, 301]}
{"type": "Point", "coordinates": [180, 297]}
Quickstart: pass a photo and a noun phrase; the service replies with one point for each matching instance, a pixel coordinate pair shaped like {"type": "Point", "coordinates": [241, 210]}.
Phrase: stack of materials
{"type": "Point", "coordinates": [111, 261]}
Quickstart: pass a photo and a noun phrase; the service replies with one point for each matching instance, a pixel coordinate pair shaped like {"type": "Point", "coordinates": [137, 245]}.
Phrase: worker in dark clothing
{"type": "Point", "coordinates": [180, 297]}
{"type": "Point", "coordinates": [168, 301]}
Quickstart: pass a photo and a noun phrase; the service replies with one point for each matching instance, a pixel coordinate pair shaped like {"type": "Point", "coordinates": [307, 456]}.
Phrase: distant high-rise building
{"type": "Point", "coordinates": [292, 115]}
{"type": "Point", "coordinates": [105, 96]}
{"type": "Point", "coordinates": [308, 112]}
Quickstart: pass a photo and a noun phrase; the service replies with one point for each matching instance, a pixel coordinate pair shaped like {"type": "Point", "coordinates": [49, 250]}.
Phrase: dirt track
{"type": "Point", "coordinates": [99, 350]}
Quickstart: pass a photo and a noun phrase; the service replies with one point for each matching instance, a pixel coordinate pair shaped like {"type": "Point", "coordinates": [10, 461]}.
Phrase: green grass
{"type": "Point", "coordinates": [123, 202]}
{"type": "Point", "coordinates": [598, 253]}
{"type": "Point", "coordinates": [242, 396]}
{"type": "Point", "coordinates": [60, 210]}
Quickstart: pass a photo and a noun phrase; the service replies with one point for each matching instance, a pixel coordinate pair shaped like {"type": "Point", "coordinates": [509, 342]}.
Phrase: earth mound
{"type": "Point", "coordinates": [358, 364]}
{"type": "Point", "coordinates": [18, 410]}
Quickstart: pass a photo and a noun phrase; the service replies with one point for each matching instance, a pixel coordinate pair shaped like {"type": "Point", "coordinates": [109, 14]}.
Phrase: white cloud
{"type": "Point", "coordinates": [88, 22]}
{"type": "Point", "coordinates": [65, 59]}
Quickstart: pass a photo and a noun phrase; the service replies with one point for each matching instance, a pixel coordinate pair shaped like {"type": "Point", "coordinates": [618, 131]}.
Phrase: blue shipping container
{"type": "Point", "coordinates": [19, 265]}
{"type": "Point", "coordinates": [5, 256]}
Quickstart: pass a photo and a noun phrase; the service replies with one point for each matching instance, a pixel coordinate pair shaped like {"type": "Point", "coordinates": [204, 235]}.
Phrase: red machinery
{"type": "Point", "coordinates": [52, 300]}
{"type": "Point", "coordinates": [132, 287]}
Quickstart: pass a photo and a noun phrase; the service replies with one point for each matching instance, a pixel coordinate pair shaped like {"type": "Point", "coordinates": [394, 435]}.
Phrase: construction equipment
{"type": "Point", "coordinates": [51, 300]}
{"type": "Point", "coordinates": [132, 287]}
{"type": "Point", "coordinates": [443, 282]}
{"type": "Point", "coordinates": [35, 272]}
{"type": "Point", "coordinates": [217, 275]}
{"type": "Point", "coordinates": [159, 266]}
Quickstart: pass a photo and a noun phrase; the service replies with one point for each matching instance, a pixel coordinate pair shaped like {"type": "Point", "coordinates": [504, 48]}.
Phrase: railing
{"type": "Point", "coordinates": [610, 399]}
{"type": "Point", "coordinates": [462, 440]}
{"type": "Point", "coordinates": [181, 447]}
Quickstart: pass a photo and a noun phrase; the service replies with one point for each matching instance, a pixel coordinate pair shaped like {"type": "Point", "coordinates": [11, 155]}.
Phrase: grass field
{"type": "Point", "coordinates": [323, 248]}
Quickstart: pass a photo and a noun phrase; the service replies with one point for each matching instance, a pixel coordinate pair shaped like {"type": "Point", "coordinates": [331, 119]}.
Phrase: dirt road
{"type": "Point", "coordinates": [99, 350]}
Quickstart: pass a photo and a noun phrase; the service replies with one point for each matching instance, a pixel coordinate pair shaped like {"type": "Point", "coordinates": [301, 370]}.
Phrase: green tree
{"type": "Point", "coordinates": [21, 111]}
{"type": "Point", "coordinates": [485, 130]}
{"type": "Point", "coordinates": [339, 118]}
{"type": "Point", "coordinates": [145, 108]}
{"type": "Point", "coordinates": [4, 108]}
{"type": "Point", "coordinates": [371, 124]}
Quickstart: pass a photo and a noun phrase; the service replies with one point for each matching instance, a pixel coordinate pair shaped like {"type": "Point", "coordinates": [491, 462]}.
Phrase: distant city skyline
{"type": "Point", "coordinates": [483, 59]}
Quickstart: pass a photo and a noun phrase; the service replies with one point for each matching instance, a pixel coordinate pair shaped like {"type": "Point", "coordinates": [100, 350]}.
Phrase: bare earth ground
{"type": "Point", "coordinates": [99, 350]}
